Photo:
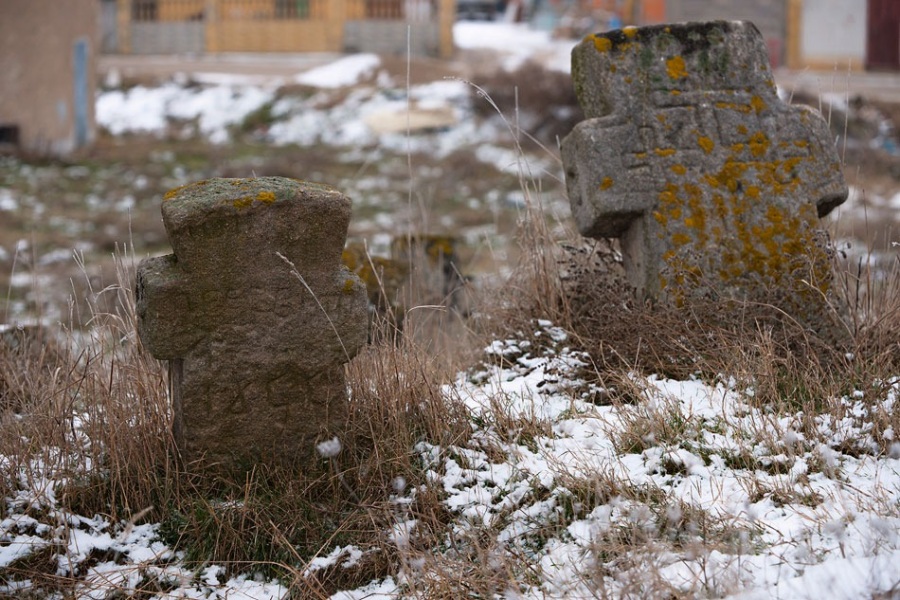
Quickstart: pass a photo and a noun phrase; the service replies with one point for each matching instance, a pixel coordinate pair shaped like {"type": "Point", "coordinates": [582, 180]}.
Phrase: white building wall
{"type": "Point", "coordinates": [833, 33]}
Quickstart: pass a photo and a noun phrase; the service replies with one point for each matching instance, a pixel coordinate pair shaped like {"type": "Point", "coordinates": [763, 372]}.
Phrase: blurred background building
{"type": "Point", "coordinates": [199, 26]}
{"type": "Point", "coordinates": [47, 74]}
{"type": "Point", "coordinates": [815, 34]}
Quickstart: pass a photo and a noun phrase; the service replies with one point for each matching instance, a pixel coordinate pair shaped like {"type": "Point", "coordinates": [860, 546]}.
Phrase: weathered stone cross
{"type": "Point", "coordinates": [712, 183]}
{"type": "Point", "coordinates": [255, 351]}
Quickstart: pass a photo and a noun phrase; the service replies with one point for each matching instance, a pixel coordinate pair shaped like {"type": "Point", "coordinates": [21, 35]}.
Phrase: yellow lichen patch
{"type": "Point", "coordinates": [742, 129]}
{"type": "Point", "coordinates": [243, 202]}
{"type": "Point", "coordinates": [350, 259]}
{"type": "Point", "coordinates": [602, 44]}
{"type": "Point", "coordinates": [630, 31]}
{"type": "Point", "coordinates": [753, 191]}
{"type": "Point", "coordinates": [660, 218]}
{"type": "Point", "coordinates": [737, 148]}
{"type": "Point", "coordinates": [669, 196]}
{"type": "Point", "coordinates": [674, 92]}
{"type": "Point", "coordinates": [664, 151]}
{"type": "Point", "coordinates": [640, 155]}
{"type": "Point", "coordinates": [801, 143]}
{"type": "Point", "coordinates": [681, 239]}
{"type": "Point", "coordinates": [678, 169]}
{"type": "Point", "coordinates": [675, 67]}
{"type": "Point", "coordinates": [706, 143]}
{"type": "Point", "coordinates": [758, 104]}
{"type": "Point", "coordinates": [606, 183]}
{"type": "Point", "coordinates": [266, 197]}
{"type": "Point", "coordinates": [349, 285]}
{"type": "Point", "coordinates": [774, 215]}
{"type": "Point", "coordinates": [759, 144]}
{"type": "Point", "coordinates": [438, 246]}
{"type": "Point", "coordinates": [742, 108]}
{"type": "Point", "coordinates": [172, 193]}
{"type": "Point", "coordinates": [730, 175]}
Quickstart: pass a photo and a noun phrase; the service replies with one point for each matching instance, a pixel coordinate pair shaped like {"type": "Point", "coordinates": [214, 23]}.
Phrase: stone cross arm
{"type": "Point", "coordinates": [236, 243]}
{"type": "Point", "coordinates": [689, 102]}
{"type": "Point", "coordinates": [689, 155]}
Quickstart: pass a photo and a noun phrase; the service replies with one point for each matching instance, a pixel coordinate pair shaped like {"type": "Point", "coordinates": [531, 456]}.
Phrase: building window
{"type": "Point", "coordinates": [9, 136]}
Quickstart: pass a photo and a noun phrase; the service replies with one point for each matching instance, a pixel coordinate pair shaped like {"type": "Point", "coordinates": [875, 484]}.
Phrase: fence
{"type": "Point", "coordinates": [198, 26]}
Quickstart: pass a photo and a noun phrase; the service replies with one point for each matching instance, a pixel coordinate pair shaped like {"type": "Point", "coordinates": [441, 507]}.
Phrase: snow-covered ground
{"type": "Point", "coordinates": [188, 106]}
{"type": "Point", "coordinates": [794, 517]}
{"type": "Point", "coordinates": [726, 500]}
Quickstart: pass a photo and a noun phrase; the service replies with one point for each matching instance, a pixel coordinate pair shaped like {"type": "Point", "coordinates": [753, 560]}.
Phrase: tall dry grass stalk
{"type": "Point", "coordinates": [89, 405]}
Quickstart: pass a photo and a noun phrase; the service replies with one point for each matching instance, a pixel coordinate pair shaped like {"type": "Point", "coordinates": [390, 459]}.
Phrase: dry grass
{"type": "Point", "coordinates": [91, 409]}
{"type": "Point", "coordinates": [117, 456]}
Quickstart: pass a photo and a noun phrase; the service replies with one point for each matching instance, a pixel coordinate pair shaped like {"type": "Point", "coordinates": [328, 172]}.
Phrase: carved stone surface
{"type": "Point", "coordinates": [712, 183]}
{"type": "Point", "coordinates": [256, 356]}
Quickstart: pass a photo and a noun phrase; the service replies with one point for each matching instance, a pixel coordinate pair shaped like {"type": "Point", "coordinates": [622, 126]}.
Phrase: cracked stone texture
{"type": "Point", "coordinates": [256, 364]}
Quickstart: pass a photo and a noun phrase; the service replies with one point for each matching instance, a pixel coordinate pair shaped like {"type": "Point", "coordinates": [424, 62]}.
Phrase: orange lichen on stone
{"type": "Point", "coordinates": [243, 202]}
{"type": "Point", "coordinates": [602, 44]}
{"type": "Point", "coordinates": [680, 239]}
{"type": "Point", "coordinates": [758, 104]}
{"type": "Point", "coordinates": [664, 151]}
{"type": "Point", "coordinates": [266, 197]}
{"type": "Point", "coordinates": [678, 169]}
{"type": "Point", "coordinates": [175, 191]}
{"type": "Point", "coordinates": [742, 108]}
{"type": "Point", "coordinates": [759, 144]}
{"type": "Point", "coordinates": [706, 143]}
{"type": "Point", "coordinates": [675, 67]}
{"type": "Point", "coordinates": [172, 193]}
{"type": "Point", "coordinates": [606, 183]}
{"type": "Point", "coordinates": [349, 285]}
{"type": "Point", "coordinates": [630, 31]}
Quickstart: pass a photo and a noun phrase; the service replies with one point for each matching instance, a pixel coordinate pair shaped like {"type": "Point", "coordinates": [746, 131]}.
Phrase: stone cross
{"type": "Point", "coordinates": [256, 315]}
{"type": "Point", "coordinates": [712, 183]}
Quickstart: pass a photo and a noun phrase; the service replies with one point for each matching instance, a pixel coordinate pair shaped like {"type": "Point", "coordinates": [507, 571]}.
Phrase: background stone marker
{"type": "Point", "coordinates": [712, 183]}
{"type": "Point", "coordinates": [256, 364]}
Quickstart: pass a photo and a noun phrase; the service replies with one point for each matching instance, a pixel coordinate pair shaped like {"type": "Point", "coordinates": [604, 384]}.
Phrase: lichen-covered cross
{"type": "Point", "coordinates": [713, 184]}
{"type": "Point", "coordinates": [256, 315]}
